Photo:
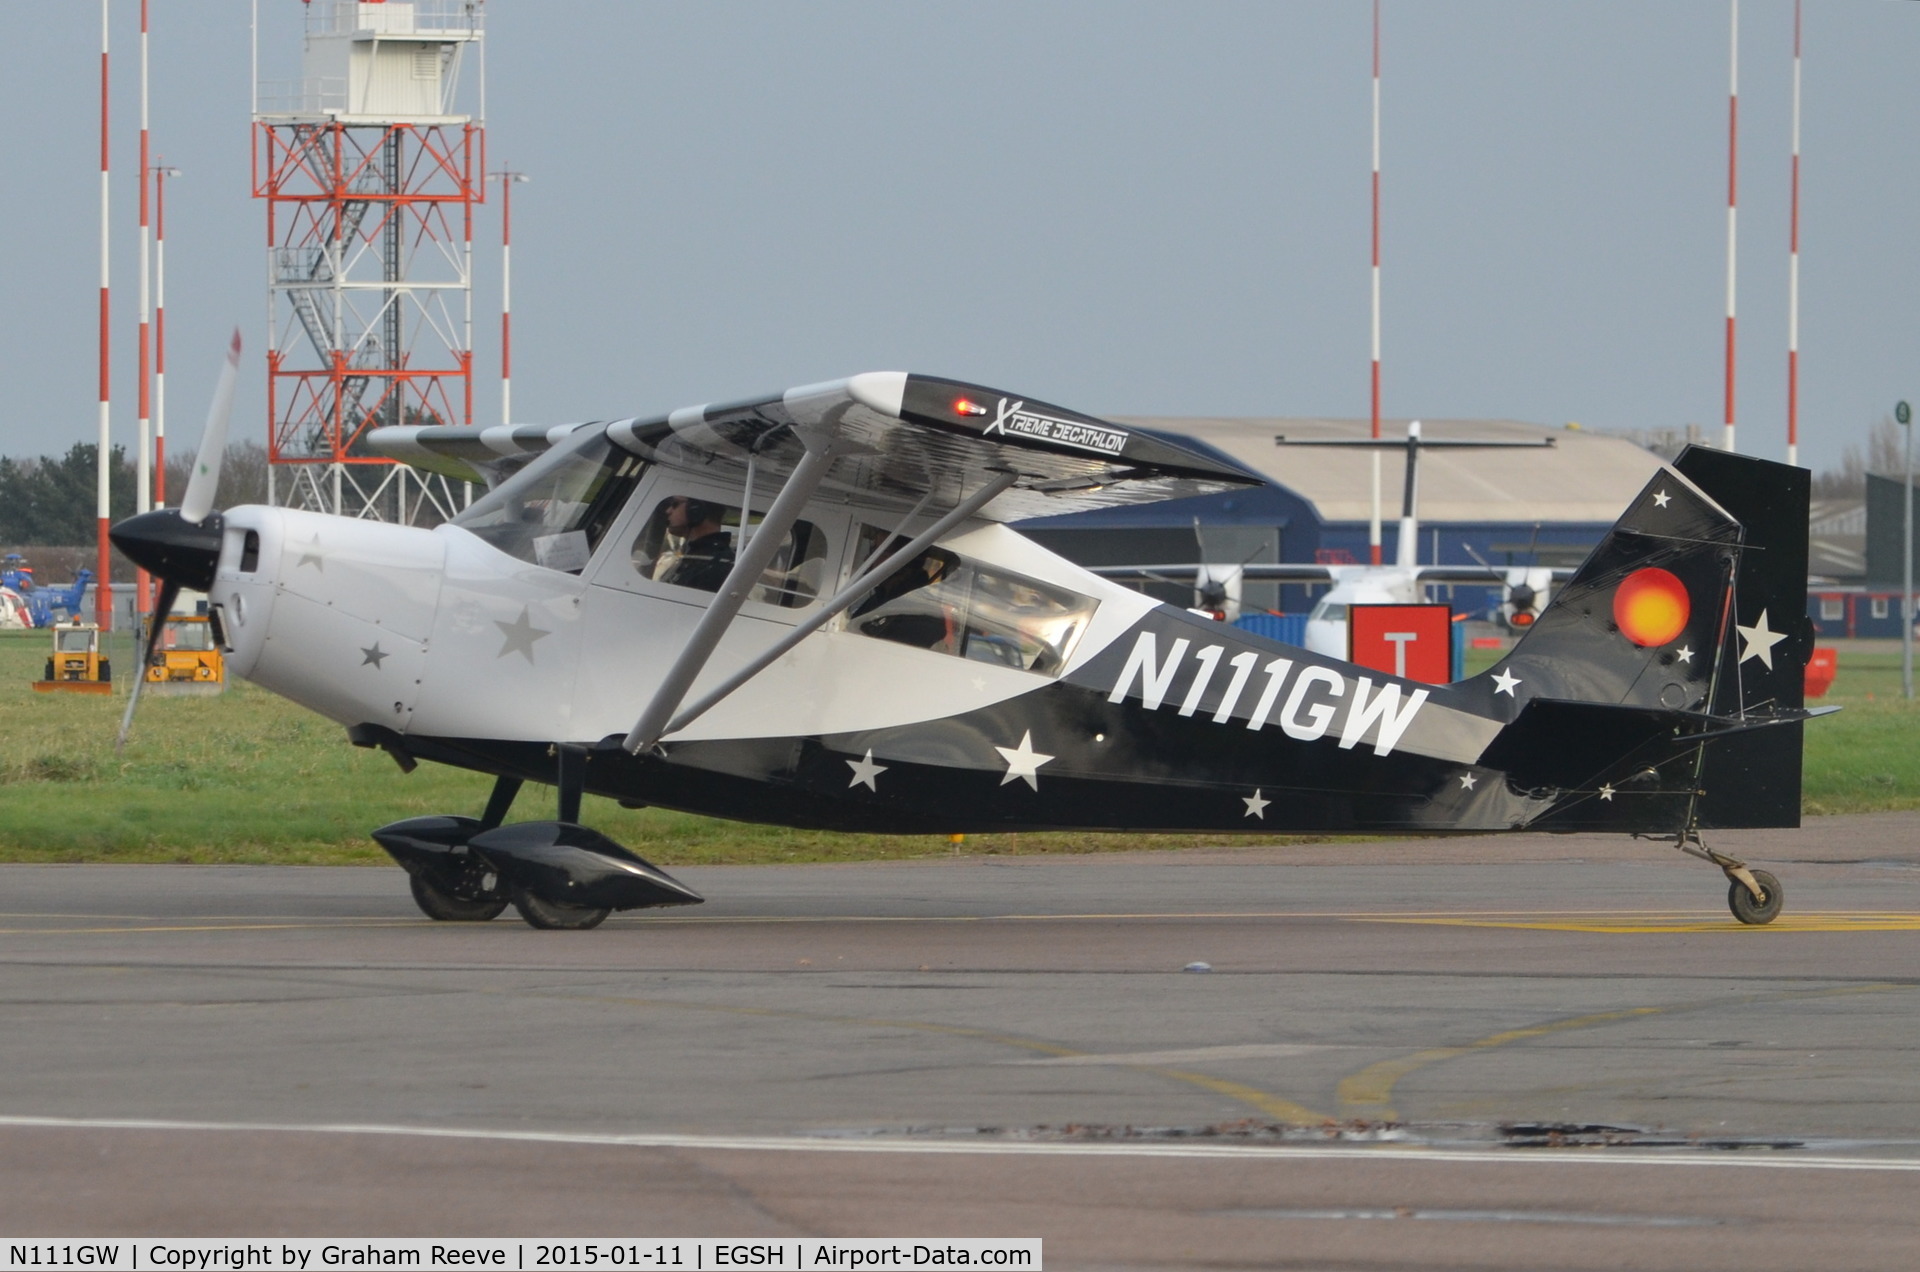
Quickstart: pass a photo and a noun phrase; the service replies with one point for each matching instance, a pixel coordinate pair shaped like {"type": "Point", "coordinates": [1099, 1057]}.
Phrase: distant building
{"type": "Point", "coordinates": [1885, 511]}
{"type": "Point", "coordinates": [1508, 507]}
{"type": "Point", "coordinates": [1865, 600]}
{"type": "Point", "coordinates": [1837, 540]}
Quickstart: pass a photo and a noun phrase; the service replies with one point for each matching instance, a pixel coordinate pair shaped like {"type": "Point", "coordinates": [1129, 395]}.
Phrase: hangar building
{"type": "Point", "coordinates": [1512, 507]}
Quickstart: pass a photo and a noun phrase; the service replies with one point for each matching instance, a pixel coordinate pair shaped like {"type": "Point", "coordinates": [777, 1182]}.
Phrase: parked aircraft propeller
{"type": "Point", "coordinates": [181, 546]}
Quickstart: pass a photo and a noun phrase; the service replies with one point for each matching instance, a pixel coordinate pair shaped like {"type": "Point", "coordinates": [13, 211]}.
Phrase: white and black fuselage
{"type": "Point", "coordinates": [515, 649]}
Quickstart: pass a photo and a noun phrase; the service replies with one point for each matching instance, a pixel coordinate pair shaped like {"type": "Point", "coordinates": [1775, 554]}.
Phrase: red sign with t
{"type": "Point", "coordinates": [1413, 642]}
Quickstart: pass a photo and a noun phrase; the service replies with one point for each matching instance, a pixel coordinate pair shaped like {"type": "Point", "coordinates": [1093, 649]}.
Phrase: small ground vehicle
{"type": "Point", "coordinates": [185, 659]}
{"type": "Point", "coordinates": [76, 664]}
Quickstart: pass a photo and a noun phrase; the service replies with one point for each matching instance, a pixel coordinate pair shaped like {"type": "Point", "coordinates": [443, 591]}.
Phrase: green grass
{"type": "Point", "coordinates": [248, 777]}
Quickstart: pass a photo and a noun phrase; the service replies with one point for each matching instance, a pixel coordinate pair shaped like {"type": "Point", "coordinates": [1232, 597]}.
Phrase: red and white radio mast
{"type": "Point", "coordinates": [370, 172]}
{"type": "Point", "coordinates": [103, 588]}
{"type": "Point", "coordinates": [1793, 266]}
{"type": "Point", "coordinates": [143, 470]}
{"type": "Point", "coordinates": [1733, 191]}
{"type": "Point", "coordinates": [1373, 524]}
{"type": "Point", "coordinates": [507, 179]}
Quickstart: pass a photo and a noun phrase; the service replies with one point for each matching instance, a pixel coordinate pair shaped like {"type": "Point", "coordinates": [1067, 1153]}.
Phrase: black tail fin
{"type": "Point", "coordinates": [1753, 779]}
{"type": "Point", "coordinates": [1695, 604]}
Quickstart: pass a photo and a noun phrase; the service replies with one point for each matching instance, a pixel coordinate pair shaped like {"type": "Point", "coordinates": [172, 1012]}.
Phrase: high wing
{"type": "Point", "coordinates": [899, 439]}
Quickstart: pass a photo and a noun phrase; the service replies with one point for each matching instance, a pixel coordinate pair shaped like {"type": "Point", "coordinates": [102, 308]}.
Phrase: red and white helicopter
{"type": "Point", "coordinates": [806, 609]}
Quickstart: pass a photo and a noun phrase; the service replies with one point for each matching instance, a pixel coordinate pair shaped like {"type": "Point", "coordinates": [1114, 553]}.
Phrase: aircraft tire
{"type": "Point", "coordinates": [1746, 909]}
{"type": "Point", "coordinates": [555, 916]}
{"type": "Point", "coordinates": [447, 908]}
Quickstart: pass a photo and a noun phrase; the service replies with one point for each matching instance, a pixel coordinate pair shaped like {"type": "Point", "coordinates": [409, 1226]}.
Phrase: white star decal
{"type": "Point", "coordinates": [864, 771]}
{"type": "Point", "coordinates": [1684, 653]}
{"type": "Point", "coordinates": [1606, 792]}
{"type": "Point", "coordinates": [1758, 641]}
{"type": "Point", "coordinates": [1023, 761]}
{"type": "Point", "coordinates": [1467, 780]}
{"type": "Point", "coordinates": [1661, 498]}
{"type": "Point", "coordinates": [310, 555]}
{"type": "Point", "coordinates": [1504, 682]}
{"type": "Point", "coordinates": [520, 634]}
{"type": "Point", "coordinates": [1256, 807]}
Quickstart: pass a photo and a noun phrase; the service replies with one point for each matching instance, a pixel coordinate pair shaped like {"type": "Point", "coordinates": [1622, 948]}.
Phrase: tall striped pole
{"type": "Point", "coordinates": [1733, 186]}
{"type": "Point", "coordinates": [1373, 524]}
{"type": "Point", "coordinates": [143, 462]}
{"type": "Point", "coordinates": [103, 590]}
{"type": "Point", "coordinates": [160, 175]}
{"type": "Point", "coordinates": [1793, 266]}
{"type": "Point", "coordinates": [507, 179]}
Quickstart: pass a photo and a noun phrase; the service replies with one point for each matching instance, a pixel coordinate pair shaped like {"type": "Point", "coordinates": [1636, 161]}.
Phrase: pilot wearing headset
{"type": "Point", "coordinates": [705, 556]}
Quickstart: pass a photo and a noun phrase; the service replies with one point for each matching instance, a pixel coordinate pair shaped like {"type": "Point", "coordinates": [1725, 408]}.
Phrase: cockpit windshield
{"type": "Point", "coordinates": [555, 511]}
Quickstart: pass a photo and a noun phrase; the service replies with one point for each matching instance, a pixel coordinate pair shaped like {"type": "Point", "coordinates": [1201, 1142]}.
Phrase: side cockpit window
{"type": "Point", "coordinates": [555, 511]}
{"type": "Point", "coordinates": [691, 541]}
{"type": "Point", "coordinates": [948, 604]}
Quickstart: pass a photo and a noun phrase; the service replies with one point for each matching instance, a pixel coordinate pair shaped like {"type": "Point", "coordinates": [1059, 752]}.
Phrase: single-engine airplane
{"type": "Point", "coordinates": [806, 609]}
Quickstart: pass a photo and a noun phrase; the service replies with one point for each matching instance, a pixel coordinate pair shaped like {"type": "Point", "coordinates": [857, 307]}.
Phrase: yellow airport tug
{"type": "Point", "coordinates": [77, 665]}
{"type": "Point", "coordinates": [186, 661]}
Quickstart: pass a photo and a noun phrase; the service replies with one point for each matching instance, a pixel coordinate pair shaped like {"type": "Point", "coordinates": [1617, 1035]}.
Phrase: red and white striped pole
{"type": "Point", "coordinates": [507, 180]}
{"type": "Point", "coordinates": [1373, 523]}
{"type": "Point", "coordinates": [160, 175]}
{"type": "Point", "coordinates": [103, 590]}
{"type": "Point", "coordinates": [1733, 187]}
{"type": "Point", "coordinates": [143, 470]}
{"type": "Point", "coordinates": [1793, 266]}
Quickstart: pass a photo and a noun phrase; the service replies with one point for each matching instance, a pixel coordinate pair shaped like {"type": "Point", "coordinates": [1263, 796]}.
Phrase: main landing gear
{"type": "Point", "coordinates": [1754, 896]}
{"type": "Point", "coordinates": [559, 875]}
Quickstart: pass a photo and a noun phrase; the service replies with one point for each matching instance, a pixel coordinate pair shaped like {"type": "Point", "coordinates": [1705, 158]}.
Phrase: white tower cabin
{"type": "Point", "coordinates": [390, 61]}
{"type": "Point", "coordinates": [370, 165]}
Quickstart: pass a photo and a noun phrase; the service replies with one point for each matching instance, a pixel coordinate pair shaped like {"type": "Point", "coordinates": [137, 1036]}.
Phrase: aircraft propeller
{"type": "Point", "coordinates": [1520, 598]}
{"type": "Point", "coordinates": [181, 546]}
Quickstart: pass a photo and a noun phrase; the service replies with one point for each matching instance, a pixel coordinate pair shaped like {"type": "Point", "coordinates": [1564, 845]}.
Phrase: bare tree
{"type": "Point", "coordinates": [1885, 452]}
{"type": "Point", "coordinates": [243, 475]}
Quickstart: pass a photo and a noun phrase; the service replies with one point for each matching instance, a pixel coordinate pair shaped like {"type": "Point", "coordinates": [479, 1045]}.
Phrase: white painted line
{"type": "Point", "coordinates": [1775, 1159]}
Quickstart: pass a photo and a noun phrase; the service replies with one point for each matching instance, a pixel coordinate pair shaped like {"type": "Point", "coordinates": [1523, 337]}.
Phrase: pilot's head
{"type": "Point", "coordinates": [689, 518]}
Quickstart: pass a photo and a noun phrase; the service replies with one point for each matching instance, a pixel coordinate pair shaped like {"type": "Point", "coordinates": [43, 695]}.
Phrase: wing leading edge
{"type": "Point", "coordinates": [911, 438]}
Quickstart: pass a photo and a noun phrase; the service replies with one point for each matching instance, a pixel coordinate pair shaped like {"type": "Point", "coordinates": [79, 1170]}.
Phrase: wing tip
{"type": "Point", "coordinates": [883, 391]}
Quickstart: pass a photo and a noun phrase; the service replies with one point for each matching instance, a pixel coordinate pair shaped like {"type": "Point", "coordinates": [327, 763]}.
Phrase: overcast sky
{"type": "Point", "coordinates": [1126, 208]}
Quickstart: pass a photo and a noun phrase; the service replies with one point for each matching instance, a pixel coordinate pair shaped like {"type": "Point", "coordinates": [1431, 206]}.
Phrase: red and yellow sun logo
{"type": "Point", "coordinates": [1651, 607]}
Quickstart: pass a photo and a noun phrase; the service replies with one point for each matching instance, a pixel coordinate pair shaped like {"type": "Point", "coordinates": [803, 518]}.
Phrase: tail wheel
{"type": "Point", "coordinates": [555, 915]}
{"type": "Point", "coordinates": [1763, 910]}
{"type": "Point", "coordinates": [447, 908]}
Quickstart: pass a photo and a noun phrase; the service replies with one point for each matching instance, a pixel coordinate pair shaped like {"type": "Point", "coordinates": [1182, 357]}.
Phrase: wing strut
{"type": "Point", "coordinates": [822, 449]}
{"type": "Point", "coordinates": [859, 586]}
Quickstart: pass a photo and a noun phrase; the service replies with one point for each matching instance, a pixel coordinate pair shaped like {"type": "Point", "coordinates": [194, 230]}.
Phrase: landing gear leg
{"type": "Point", "coordinates": [1754, 896]}
{"type": "Point", "coordinates": [498, 803]}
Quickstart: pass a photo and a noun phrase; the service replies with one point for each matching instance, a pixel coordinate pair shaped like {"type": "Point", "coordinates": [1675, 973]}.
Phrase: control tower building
{"type": "Point", "coordinates": [370, 166]}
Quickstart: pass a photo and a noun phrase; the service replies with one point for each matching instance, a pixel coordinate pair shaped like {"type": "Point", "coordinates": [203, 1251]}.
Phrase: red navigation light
{"type": "Point", "coordinates": [965, 406]}
{"type": "Point", "coordinates": [1651, 607]}
{"type": "Point", "coordinates": [1521, 618]}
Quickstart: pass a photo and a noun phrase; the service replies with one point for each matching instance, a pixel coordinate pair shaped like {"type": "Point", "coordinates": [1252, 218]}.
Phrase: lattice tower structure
{"type": "Point", "coordinates": [370, 171]}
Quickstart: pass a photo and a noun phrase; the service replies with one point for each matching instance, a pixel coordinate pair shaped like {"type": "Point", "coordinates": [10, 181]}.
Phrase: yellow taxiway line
{"type": "Point", "coordinates": [1372, 1087]}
